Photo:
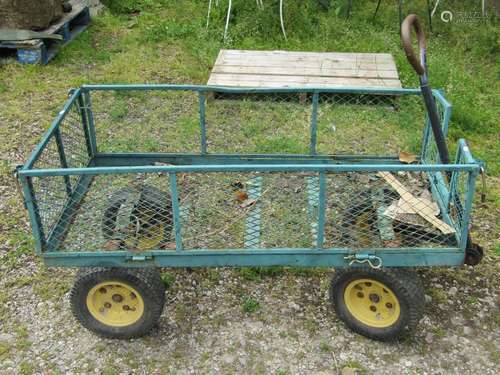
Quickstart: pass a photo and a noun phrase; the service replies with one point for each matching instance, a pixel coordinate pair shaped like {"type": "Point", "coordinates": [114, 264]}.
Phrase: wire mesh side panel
{"type": "Point", "coordinates": [50, 193]}
{"type": "Point", "coordinates": [66, 148]}
{"type": "Point", "coordinates": [359, 124]}
{"type": "Point", "coordinates": [120, 212]}
{"type": "Point", "coordinates": [134, 212]}
{"type": "Point", "coordinates": [146, 121]}
{"type": "Point", "coordinates": [73, 135]}
{"type": "Point", "coordinates": [383, 210]}
{"type": "Point", "coordinates": [459, 194]}
{"type": "Point", "coordinates": [259, 123]}
{"type": "Point", "coordinates": [217, 211]}
{"type": "Point", "coordinates": [244, 210]}
{"type": "Point", "coordinates": [68, 143]}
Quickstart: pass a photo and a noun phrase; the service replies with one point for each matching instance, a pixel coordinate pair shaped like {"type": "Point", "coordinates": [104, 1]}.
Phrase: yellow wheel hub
{"type": "Point", "coordinates": [372, 303]}
{"type": "Point", "coordinates": [148, 239]}
{"type": "Point", "coordinates": [115, 304]}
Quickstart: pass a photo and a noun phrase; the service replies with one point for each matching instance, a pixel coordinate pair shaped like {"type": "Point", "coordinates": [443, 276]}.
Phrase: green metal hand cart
{"type": "Point", "coordinates": [129, 178]}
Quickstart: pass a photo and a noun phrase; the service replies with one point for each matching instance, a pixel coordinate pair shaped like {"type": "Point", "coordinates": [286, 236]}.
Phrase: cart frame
{"type": "Point", "coordinates": [322, 165]}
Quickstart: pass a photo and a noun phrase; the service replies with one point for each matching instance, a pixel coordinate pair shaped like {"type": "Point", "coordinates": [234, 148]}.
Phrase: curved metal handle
{"type": "Point", "coordinates": [412, 20]}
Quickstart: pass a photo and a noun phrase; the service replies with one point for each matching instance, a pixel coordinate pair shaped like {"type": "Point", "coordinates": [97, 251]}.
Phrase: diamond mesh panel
{"type": "Point", "coordinates": [369, 124]}
{"type": "Point", "coordinates": [243, 210]}
{"type": "Point", "coordinates": [235, 210]}
{"type": "Point", "coordinates": [258, 123]}
{"type": "Point", "coordinates": [458, 197]}
{"type": "Point", "coordinates": [146, 121]}
{"type": "Point", "coordinates": [365, 211]}
{"type": "Point", "coordinates": [51, 193]}
{"type": "Point", "coordinates": [119, 212]}
{"type": "Point", "coordinates": [250, 210]}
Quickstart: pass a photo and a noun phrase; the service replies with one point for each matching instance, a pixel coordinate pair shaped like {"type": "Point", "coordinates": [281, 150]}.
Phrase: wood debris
{"type": "Point", "coordinates": [417, 205]}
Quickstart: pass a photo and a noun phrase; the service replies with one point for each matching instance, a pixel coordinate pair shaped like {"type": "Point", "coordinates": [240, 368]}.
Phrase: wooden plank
{"type": "Point", "coordinates": [291, 55]}
{"type": "Point", "coordinates": [276, 85]}
{"type": "Point", "coordinates": [420, 206]}
{"type": "Point", "coordinates": [220, 56]}
{"type": "Point", "coordinates": [305, 71]}
{"type": "Point", "coordinates": [333, 60]}
{"type": "Point", "coordinates": [245, 68]}
{"type": "Point", "coordinates": [266, 61]}
{"type": "Point", "coordinates": [319, 64]}
{"type": "Point", "coordinates": [250, 80]}
{"type": "Point", "coordinates": [311, 64]}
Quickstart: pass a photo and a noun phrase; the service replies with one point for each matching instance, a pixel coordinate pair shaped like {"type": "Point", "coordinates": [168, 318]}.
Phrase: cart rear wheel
{"type": "Point", "coordinates": [381, 304]}
{"type": "Point", "coordinates": [138, 218]}
{"type": "Point", "coordinates": [118, 302]}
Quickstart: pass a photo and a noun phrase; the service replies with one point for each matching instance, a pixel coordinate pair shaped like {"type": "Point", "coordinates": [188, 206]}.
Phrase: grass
{"type": "Point", "coordinates": [168, 279]}
{"type": "Point", "coordinates": [251, 305]}
{"type": "Point", "coordinates": [166, 42]}
{"type": "Point", "coordinates": [361, 370]}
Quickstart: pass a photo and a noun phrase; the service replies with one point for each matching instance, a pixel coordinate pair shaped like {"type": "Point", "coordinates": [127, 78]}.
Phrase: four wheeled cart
{"type": "Point", "coordinates": [133, 177]}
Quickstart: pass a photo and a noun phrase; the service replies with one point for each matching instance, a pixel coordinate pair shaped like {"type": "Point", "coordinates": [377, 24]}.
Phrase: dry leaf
{"type": "Point", "coordinates": [248, 203]}
{"type": "Point", "coordinates": [240, 195]}
{"type": "Point", "coordinates": [406, 157]}
{"type": "Point", "coordinates": [168, 245]}
{"type": "Point", "coordinates": [112, 245]}
{"type": "Point", "coordinates": [392, 243]}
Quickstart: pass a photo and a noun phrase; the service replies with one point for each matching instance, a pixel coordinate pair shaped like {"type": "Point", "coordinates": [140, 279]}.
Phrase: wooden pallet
{"type": "Point", "coordinates": [38, 51]}
{"type": "Point", "coordinates": [274, 69]}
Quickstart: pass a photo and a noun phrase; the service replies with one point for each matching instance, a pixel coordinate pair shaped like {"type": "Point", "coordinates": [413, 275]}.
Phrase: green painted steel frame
{"type": "Point", "coordinates": [120, 163]}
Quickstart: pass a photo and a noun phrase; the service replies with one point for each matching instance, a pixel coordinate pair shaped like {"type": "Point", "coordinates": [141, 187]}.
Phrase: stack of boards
{"type": "Point", "coordinates": [281, 69]}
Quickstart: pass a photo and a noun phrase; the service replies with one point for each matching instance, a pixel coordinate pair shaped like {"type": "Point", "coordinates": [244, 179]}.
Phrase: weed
{"type": "Point", "coordinates": [257, 273]}
{"type": "Point", "coordinates": [439, 332]}
{"type": "Point", "coordinates": [109, 370]}
{"type": "Point", "coordinates": [361, 370]}
{"type": "Point", "coordinates": [26, 368]}
{"type": "Point", "coordinates": [496, 249]}
{"type": "Point", "coordinates": [168, 279]}
{"type": "Point", "coordinates": [100, 348]}
{"type": "Point", "coordinates": [251, 305]}
{"type": "Point", "coordinates": [4, 349]}
{"type": "Point", "coordinates": [118, 110]}
{"type": "Point", "coordinates": [325, 347]}
{"type": "Point", "coordinates": [437, 294]}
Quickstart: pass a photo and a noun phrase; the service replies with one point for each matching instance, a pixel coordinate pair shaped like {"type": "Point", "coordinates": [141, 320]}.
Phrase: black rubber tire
{"type": "Point", "coordinates": [146, 281]}
{"type": "Point", "coordinates": [150, 198]}
{"type": "Point", "coordinates": [404, 283]}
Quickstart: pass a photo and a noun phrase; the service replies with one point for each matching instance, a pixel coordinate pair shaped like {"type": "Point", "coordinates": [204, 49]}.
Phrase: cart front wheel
{"type": "Point", "coordinates": [381, 304]}
{"type": "Point", "coordinates": [118, 302]}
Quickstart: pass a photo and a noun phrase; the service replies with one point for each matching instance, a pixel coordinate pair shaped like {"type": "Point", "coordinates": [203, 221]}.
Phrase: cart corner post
{"type": "Point", "coordinates": [87, 116]}
{"type": "Point", "coordinates": [33, 213]}
{"type": "Point", "coordinates": [314, 123]}
{"type": "Point", "coordinates": [174, 195]}
{"type": "Point", "coordinates": [62, 159]}
{"type": "Point", "coordinates": [203, 130]}
{"type": "Point", "coordinates": [321, 210]}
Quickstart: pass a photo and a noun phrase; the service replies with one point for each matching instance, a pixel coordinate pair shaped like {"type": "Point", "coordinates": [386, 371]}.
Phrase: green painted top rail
{"type": "Point", "coordinates": [76, 94]}
{"type": "Point", "coordinates": [470, 166]}
{"type": "Point", "coordinates": [250, 90]}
